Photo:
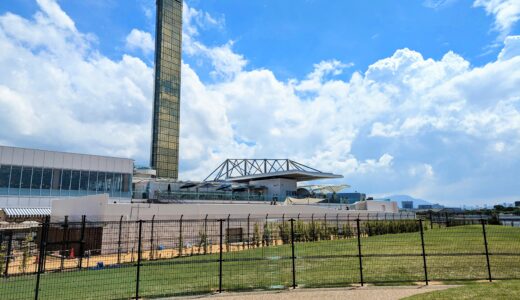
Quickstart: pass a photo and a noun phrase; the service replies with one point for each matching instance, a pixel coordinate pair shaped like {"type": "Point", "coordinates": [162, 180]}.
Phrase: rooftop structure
{"type": "Point", "coordinates": [245, 170]}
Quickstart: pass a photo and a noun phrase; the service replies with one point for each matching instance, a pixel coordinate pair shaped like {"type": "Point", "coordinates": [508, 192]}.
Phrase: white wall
{"type": "Point", "coordinates": [277, 187]}
{"type": "Point", "coordinates": [98, 208]}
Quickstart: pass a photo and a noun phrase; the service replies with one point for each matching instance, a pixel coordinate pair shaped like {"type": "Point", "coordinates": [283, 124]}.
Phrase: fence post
{"type": "Point", "coordinates": [181, 241]}
{"type": "Point", "coordinates": [9, 253]}
{"type": "Point", "coordinates": [423, 253]}
{"type": "Point", "coordinates": [205, 250]}
{"type": "Point", "coordinates": [82, 240]}
{"type": "Point", "coordinates": [41, 254]}
{"type": "Point", "coordinates": [293, 258]}
{"type": "Point", "coordinates": [119, 241]}
{"type": "Point", "coordinates": [152, 256]}
{"type": "Point", "coordinates": [431, 220]}
{"type": "Point", "coordinates": [228, 246]}
{"type": "Point", "coordinates": [139, 245]}
{"type": "Point", "coordinates": [326, 227]}
{"type": "Point", "coordinates": [337, 226]}
{"type": "Point", "coordinates": [248, 230]}
{"type": "Point", "coordinates": [359, 251]}
{"type": "Point", "coordinates": [313, 228]}
{"type": "Point", "coordinates": [63, 245]}
{"type": "Point", "coordinates": [220, 258]}
{"type": "Point", "coordinates": [486, 247]}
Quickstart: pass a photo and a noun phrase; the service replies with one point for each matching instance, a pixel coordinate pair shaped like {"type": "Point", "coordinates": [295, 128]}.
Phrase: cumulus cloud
{"type": "Point", "coordinates": [138, 39]}
{"type": "Point", "coordinates": [511, 48]}
{"type": "Point", "coordinates": [439, 129]}
{"type": "Point", "coordinates": [506, 13]}
{"type": "Point", "coordinates": [58, 92]}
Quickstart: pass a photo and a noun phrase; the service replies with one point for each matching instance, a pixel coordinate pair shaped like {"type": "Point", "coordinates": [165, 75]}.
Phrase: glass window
{"type": "Point", "coordinates": [56, 179]}
{"type": "Point", "coordinates": [5, 172]}
{"type": "Point", "coordinates": [109, 182]}
{"type": "Point", "coordinates": [65, 180]}
{"type": "Point", "coordinates": [16, 174]}
{"type": "Point", "coordinates": [117, 182]}
{"type": "Point", "coordinates": [126, 183]}
{"type": "Point", "coordinates": [36, 179]}
{"type": "Point", "coordinates": [83, 185]}
{"type": "Point", "coordinates": [92, 185]}
{"type": "Point", "coordinates": [101, 182]}
{"type": "Point", "coordinates": [26, 177]}
{"type": "Point", "coordinates": [47, 179]}
{"type": "Point", "coordinates": [74, 184]}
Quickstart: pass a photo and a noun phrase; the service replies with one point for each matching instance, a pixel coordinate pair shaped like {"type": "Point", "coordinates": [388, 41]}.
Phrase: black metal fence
{"type": "Point", "coordinates": [155, 258]}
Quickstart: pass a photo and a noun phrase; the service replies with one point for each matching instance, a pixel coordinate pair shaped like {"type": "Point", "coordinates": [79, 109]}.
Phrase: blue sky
{"type": "Point", "coordinates": [400, 97]}
{"type": "Point", "coordinates": [288, 38]}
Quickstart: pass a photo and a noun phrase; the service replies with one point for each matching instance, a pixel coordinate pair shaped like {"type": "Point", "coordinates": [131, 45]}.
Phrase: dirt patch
{"type": "Point", "coordinates": [357, 293]}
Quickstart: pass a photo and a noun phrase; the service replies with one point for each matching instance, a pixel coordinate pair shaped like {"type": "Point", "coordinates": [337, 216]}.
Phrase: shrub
{"type": "Point", "coordinates": [203, 242]}
{"type": "Point", "coordinates": [256, 236]}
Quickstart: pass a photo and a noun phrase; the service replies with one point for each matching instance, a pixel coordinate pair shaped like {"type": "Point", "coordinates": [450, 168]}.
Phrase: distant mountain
{"type": "Point", "coordinates": [400, 198]}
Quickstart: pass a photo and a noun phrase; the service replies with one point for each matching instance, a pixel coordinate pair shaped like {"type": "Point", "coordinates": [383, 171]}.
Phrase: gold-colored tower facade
{"type": "Point", "coordinates": [166, 108]}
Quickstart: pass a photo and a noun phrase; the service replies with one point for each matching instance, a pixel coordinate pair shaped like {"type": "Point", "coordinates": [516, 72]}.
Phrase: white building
{"type": "Point", "coordinates": [34, 178]}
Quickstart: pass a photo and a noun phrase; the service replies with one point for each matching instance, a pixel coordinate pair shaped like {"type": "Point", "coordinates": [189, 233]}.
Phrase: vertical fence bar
{"type": "Point", "coordinates": [220, 258]}
{"type": "Point", "coordinates": [486, 247]}
{"type": "Point", "coordinates": [41, 255]}
{"type": "Point", "coordinates": [423, 253]}
{"type": "Point", "coordinates": [359, 252]}
{"type": "Point", "coordinates": [293, 258]}
{"type": "Point", "coordinates": [82, 240]}
{"type": "Point", "coordinates": [227, 234]}
{"type": "Point", "coordinates": [337, 226]}
{"type": "Point", "coordinates": [181, 241]}
{"type": "Point", "coordinates": [152, 254]}
{"type": "Point", "coordinates": [63, 239]}
{"type": "Point", "coordinates": [248, 231]}
{"type": "Point", "coordinates": [139, 245]}
{"type": "Point", "coordinates": [119, 241]}
{"type": "Point", "coordinates": [9, 253]}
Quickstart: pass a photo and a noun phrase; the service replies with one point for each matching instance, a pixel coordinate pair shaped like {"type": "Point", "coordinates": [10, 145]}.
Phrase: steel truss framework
{"type": "Point", "coordinates": [232, 168]}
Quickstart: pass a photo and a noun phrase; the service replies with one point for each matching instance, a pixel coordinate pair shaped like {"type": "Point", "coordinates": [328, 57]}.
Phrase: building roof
{"type": "Point", "coordinates": [294, 175]}
{"type": "Point", "coordinates": [244, 170]}
{"type": "Point", "coordinates": [26, 212]}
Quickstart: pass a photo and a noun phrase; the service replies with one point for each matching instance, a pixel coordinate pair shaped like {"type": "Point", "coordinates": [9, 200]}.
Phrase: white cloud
{"type": "Point", "coordinates": [511, 48]}
{"type": "Point", "coordinates": [138, 39]}
{"type": "Point", "coordinates": [506, 13]}
{"type": "Point", "coordinates": [58, 92]}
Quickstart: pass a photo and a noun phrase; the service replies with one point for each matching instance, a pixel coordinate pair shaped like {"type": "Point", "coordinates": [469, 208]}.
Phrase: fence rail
{"type": "Point", "coordinates": [154, 258]}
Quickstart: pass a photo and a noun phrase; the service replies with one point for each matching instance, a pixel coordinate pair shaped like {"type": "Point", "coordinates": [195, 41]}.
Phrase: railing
{"type": "Point", "coordinates": [221, 196]}
{"type": "Point", "coordinates": [159, 258]}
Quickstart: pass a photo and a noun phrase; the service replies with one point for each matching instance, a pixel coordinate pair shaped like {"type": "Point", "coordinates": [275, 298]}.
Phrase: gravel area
{"type": "Point", "coordinates": [358, 293]}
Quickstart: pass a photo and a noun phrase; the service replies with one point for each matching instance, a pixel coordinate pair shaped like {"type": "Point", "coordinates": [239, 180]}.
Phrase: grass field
{"type": "Point", "coordinates": [504, 290]}
{"type": "Point", "coordinates": [455, 253]}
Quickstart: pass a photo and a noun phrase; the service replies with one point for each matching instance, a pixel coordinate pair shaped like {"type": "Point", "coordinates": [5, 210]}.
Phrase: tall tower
{"type": "Point", "coordinates": [165, 123]}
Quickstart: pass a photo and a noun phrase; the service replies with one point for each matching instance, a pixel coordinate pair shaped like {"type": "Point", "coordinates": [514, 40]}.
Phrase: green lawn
{"type": "Point", "coordinates": [387, 258]}
{"type": "Point", "coordinates": [505, 290]}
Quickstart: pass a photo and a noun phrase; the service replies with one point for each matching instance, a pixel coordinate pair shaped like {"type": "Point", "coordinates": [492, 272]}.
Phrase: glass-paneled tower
{"type": "Point", "coordinates": [165, 126]}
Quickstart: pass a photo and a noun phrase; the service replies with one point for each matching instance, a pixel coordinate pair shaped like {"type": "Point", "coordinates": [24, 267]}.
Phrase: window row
{"type": "Point", "coordinates": [35, 178]}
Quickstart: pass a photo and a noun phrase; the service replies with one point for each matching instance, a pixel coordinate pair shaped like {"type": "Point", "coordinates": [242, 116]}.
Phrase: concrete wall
{"type": "Point", "coordinates": [98, 208]}
{"type": "Point", "coordinates": [277, 187]}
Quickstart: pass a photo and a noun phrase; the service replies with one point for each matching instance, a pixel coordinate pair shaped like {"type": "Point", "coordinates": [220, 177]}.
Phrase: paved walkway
{"type": "Point", "coordinates": [357, 293]}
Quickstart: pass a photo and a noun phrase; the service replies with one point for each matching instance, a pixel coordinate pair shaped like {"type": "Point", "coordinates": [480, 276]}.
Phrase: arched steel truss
{"type": "Point", "coordinates": [232, 168]}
